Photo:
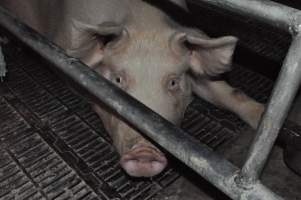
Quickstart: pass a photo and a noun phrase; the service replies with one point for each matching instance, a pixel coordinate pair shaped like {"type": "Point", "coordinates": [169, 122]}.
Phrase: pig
{"type": "Point", "coordinates": [146, 53]}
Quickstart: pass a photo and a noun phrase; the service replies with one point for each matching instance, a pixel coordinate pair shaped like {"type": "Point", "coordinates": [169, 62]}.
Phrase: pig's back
{"type": "Point", "coordinates": [39, 14]}
{"type": "Point", "coordinates": [52, 18]}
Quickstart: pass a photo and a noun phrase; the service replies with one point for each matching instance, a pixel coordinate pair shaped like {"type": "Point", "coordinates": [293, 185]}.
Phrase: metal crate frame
{"type": "Point", "coordinates": [236, 183]}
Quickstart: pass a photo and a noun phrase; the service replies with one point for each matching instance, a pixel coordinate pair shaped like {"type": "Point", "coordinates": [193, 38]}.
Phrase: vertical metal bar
{"type": "Point", "coordinates": [3, 69]}
{"type": "Point", "coordinates": [282, 96]}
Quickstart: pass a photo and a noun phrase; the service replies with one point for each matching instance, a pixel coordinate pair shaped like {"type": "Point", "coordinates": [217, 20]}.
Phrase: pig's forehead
{"type": "Point", "coordinates": [147, 50]}
{"type": "Point", "coordinates": [148, 64]}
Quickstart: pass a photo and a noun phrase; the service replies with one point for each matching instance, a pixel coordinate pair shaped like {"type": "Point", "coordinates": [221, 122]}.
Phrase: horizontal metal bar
{"type": "Point", "coordinates": [205, 162]}
{"type": "Point", "coordinates": [281, 99]}
{"type": "Point", "coordinates": [270, 12]}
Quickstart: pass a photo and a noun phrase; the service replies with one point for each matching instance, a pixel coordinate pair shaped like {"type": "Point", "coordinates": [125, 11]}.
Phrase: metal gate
{"type": "Point", "coordinates": [236, 183]}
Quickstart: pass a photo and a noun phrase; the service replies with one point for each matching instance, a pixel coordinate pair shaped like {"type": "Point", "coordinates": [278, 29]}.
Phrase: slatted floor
{"type": "Point", "coordinates": [30, 168]}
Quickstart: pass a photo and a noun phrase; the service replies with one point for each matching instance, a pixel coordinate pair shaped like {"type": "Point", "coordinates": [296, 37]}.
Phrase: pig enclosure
{"type": "Point", "coordinates": [43, 111]}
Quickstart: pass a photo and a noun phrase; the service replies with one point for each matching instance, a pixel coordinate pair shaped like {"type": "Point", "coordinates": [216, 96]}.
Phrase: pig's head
{"type": "Point", "coordinates": [155, 66]}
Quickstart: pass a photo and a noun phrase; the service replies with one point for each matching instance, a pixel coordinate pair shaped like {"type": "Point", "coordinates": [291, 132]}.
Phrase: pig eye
{"type": "Point", "coordinates": [119, 81]}
{"type": "Point", "coordinates": [173, 84]}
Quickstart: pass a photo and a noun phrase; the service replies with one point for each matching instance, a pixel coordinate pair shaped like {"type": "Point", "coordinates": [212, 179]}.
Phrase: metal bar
{"type": "Point", "coordinates": [205, 162]}
{"type": "Point", "coordinates": [272, 13]}
{"type": "Point", "coordinates": [3, 70]}
{"type": "Point", "coordinates": [281, 99]}
{"type": "Point", "coordinates": [288, 19]}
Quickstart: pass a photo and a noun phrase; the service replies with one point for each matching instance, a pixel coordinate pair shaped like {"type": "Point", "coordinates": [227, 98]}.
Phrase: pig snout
{"type": "Point", "coordinates": [143, 161]}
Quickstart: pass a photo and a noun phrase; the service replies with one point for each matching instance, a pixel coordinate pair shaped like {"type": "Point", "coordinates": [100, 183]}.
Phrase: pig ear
{"type": "Point", "coordinates": [209, 56]}
{"type": "Point", "coordinates": [88, 42]}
